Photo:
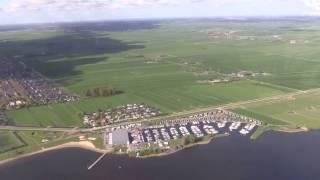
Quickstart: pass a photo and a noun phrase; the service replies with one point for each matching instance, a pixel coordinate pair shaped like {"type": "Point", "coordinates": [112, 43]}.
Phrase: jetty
{"type": "Point", "coordinates": [96, 162]}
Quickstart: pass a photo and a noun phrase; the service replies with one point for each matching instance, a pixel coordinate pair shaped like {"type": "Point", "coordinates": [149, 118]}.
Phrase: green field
{"type": "Point", "coordinates": [18, 143]}
{"type": "Point", "coordinates": [168, 100]}
{"type": "Point", "coordinates": [9, 141]}
{"type": "Point", "coordinates": [80, 60]}
{"type": "Point", "coordinates": [302, 111]}
{"type": "Point", "coordinates": [265, 118]}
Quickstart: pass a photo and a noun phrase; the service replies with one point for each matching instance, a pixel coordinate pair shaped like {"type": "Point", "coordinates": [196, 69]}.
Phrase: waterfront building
{"type": "Point", "coordinates": [119, 137]}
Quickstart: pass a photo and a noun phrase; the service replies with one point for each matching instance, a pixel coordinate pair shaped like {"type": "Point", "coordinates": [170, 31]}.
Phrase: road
{"type": "Point", "coordinates": [15, 128]}
{"type": "Point", "coordinates": [173, 116]}
{"type": "Point", "coordinates": [226, 106]}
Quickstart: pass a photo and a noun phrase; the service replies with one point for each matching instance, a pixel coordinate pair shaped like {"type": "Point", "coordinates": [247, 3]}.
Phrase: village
{"type": "Point", "coordinates": [241, 75]}
{"type": "Point", "coordinates": [22, 86]}
{"type": "Point", "coordinates": [4, 121]}
{"type": "Point", "coordinates": [236, 35]}
{"type": "Point", "coordinates": [119, 114]}
{"type": "Point", "coordinates": [137, 137]}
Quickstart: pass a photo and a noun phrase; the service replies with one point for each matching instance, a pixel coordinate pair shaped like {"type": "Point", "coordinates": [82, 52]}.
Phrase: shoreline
{"type": "Point", "coordinates": [175, 151]}
{"type": "Point", "coordinates": [86, 145]}
{"type": "Point", "coordinates": [284, 129]}
{"type": "Point", "coordinates": [288, 130]}
{"type": "Point", "coordinates": [204, 142]}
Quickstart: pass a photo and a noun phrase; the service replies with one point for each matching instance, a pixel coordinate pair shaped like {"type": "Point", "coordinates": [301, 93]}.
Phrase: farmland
{"type": "Point", "coordinates": [300, 111]}
{"type": "Point", "coordinates": [171, 100]}
{"type": "Point", "coordinates": [17, 143]}
{"type": "Point", "coordinates": [160, 63]}
{"type": "Point", "coordinates": [9, 141]}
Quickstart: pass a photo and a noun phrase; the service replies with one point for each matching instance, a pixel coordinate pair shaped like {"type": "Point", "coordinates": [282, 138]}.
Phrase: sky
{"type": "Point", "coordinates": [50, 11]}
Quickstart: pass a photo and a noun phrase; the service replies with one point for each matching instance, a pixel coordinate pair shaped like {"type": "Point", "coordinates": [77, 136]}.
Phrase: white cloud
{"type": "Point", "coordinates": [70, 10]}
{"type": "Point", "coordinates": [314, 4]}
{"type": "Point", "coordinates": [69, 5]}
{"type": "Point", "coordinates": [36, 5]}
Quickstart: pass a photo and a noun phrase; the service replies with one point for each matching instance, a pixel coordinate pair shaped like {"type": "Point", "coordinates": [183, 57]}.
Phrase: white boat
{"type": "Point", "coordinates": [234, 126]}
{"type": "Point", "coordinates": [222, 124]}
{"type": "Point", "coordinates": [244, 131]}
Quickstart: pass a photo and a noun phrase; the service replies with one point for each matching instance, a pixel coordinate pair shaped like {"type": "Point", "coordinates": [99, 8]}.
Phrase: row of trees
{"type": "Point", "coordinates": [191, 139]}
{"type": "Point", "coordinates": [151, 151]}
{"type": "Point", "coordinates": [101, 91]}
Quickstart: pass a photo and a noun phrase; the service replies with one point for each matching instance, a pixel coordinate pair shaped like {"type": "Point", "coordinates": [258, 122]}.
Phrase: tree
{"type": "Point", "coordinates": [89, 93]}
{"type": "Point", "coordinates": [189, 140]}
{"type": "Point", "coordinates": [105, 92]}
{"type": "Point", "coordinates": [96, 92]}
{"type": "Point", "coordinates": [100, 91]}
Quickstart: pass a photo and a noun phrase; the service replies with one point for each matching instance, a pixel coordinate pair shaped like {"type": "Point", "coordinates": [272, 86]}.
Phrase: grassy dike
{"type": "Point", "coordinates": [287, 129]}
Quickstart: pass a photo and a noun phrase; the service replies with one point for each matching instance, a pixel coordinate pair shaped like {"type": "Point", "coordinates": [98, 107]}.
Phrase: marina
{"type": "Point", "coordinates": [160, 133]}
{"type": "Point", "coordinates": [172, 134]}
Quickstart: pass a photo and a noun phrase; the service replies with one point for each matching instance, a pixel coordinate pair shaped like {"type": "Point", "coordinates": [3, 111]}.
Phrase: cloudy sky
{"type": "Point", "coordinates": [35, 11]}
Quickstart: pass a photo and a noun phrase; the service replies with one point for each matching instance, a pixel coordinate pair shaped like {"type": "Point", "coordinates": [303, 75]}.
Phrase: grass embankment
{"type": "Point", "coordinates": [287, 129]}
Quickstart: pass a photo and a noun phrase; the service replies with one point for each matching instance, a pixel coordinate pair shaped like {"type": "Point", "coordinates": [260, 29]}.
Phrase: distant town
{"type": "Point", "coordinates": [22, 86]}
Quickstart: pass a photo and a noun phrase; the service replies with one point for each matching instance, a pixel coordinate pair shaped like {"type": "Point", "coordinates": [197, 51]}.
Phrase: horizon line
{"type": "Point", "coordinates": [230, 18]}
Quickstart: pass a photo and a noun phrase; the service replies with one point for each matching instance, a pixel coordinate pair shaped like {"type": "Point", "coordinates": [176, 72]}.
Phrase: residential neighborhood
{"type": "Point", "coordinates": [120, 113]}
{"type": "Point", "coordinates": [22, 86]}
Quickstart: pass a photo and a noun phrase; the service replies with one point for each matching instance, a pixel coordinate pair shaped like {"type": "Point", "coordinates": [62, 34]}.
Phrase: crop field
{"type": "Point", "coordinates": [12, 145]}
{"type": "Point", "coordinates": [161, 65]}
{"type": "Point", "coordinates": [301, 111]}
{"type": "Point", "coordinates": [9, 141]}
{"type": "Point", "coordinates": [35, 138]}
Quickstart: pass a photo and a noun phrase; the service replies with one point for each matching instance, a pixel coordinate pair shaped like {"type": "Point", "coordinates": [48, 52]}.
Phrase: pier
{"type": "Point", "coordinates": [96, 162]}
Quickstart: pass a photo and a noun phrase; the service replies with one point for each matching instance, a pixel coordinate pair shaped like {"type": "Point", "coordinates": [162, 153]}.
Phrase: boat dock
{"type": "Point", "coordinates": [155, 134]}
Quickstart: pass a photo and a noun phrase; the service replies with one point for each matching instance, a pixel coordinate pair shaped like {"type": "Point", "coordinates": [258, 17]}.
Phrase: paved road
{"type": "Point", "coordinates": [173, 116]}
{"type": "Point", "coordinates": [15, 128]}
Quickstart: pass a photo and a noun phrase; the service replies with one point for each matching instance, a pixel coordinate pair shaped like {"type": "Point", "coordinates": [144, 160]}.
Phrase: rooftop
{"type": "Point", "coordinates": [120, 137]}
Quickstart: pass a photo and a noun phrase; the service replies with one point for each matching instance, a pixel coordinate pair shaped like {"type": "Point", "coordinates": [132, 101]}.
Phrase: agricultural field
{"type": "Point", "coordinates": [37, 138]}
{"type": "Point", "coordinates": [161, 64]}
{"type": "Point", "coordinates": [9, 141]}
{"type": "Point", "coordinates": [168, 100]}
{"type": "Point", "coordinates": [299, 111]}
{"type": "Point", "coordinates": [22, 142]}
